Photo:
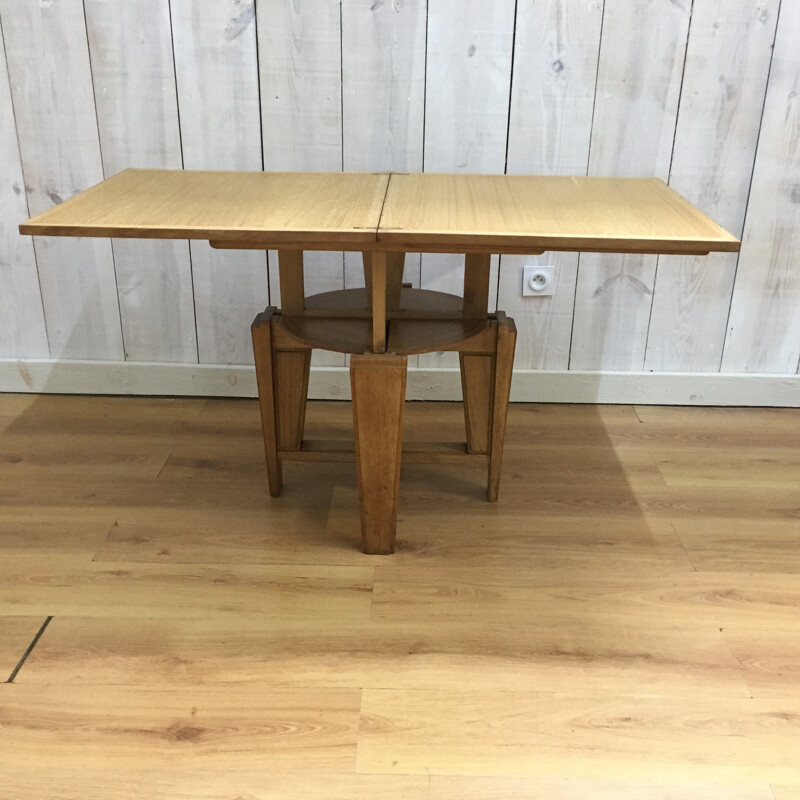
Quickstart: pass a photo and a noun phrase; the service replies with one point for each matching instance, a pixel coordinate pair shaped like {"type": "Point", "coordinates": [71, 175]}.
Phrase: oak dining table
{"type": "Point", "coordinates": [384, 216]}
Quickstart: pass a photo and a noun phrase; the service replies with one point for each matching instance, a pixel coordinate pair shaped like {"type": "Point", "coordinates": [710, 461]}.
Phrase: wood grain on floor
{"type": "Point", "coordinates": [16, 634]}
{"type": "Point", "coordinates": [622, 624]}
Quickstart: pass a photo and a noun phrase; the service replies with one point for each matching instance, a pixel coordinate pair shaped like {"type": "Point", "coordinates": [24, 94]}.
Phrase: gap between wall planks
{"type": "Point", "coordinates": [424, 83]}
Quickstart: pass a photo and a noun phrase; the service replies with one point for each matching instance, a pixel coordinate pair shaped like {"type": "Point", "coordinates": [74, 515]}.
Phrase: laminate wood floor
{"type": "Point", "coordinates": [624, 623]}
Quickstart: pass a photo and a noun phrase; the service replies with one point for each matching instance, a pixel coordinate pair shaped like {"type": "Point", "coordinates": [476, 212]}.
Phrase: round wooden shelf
{"type": "Point", "coordinates": [424, 322]}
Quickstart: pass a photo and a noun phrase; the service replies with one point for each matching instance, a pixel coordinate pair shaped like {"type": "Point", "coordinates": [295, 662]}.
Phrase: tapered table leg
{"type": "Point", "coordinates": [378, 387]}
{"type": "Point", "coordinates": [282, 377]}
{"type": "Point", "coordinates": [477, 390]}
{"type": "Point", "coordinates": [504, 364]}
{"type": "Point", "coordinates": [261, 330]}
{"type": "Point", "coordinates": [290, 379]}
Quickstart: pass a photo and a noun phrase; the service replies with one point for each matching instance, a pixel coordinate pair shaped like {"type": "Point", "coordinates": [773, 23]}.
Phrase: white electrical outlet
{"type": "Point", "coordinates": [538, 281]}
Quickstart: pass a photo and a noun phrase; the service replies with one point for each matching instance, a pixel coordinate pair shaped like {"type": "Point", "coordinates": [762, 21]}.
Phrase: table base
{"type": "Point", "coordinates": [378, 383]}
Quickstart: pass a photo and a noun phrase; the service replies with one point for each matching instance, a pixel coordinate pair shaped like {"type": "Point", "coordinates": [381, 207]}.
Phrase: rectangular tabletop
{"type": "Point", "coordinates": [524, 213]}
{"type": "Point", "coordinates": [375, 211]}
{"type": "Point", "coordinates": [333, 208]}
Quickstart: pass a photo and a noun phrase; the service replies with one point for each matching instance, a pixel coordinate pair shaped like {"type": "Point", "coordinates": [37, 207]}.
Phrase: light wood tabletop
{"type": "Point", "coordinates": [379, 211]}
{"type": "Point", "coordinates": [335, 208]}
{"type": "Point", "coordinates": [507, 213]}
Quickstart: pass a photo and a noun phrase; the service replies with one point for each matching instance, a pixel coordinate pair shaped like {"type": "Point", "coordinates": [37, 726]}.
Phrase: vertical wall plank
{"type": "Point", "coordinates": [51, 85]}
{"type": "Point", "coordinates": [300, 57]}
{"type": "Point", "coordinates": [217, 81]}
{"type": "Point", "coordinates": [639, 78]}
{"type": "Point", "coordinates": [466, 111]}
{"type": "Point", "coordinates": [301, 83]}
{"type": "Point", "coordinates": [137, 116]}
{"type": "Point", "coordinates": [552, 98]}
{"type": "Point", "coordinates": [764, 326]}
{"type": "Point", "coordinates": [383, 97]}
{"type": "Point", "coordinates": [692, 295]}
{"type": "Point", "coordinates": [22, 328]}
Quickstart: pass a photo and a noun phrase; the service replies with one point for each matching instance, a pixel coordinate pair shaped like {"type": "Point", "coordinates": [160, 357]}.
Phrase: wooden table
{"type": "Point", "coordinates": [385, 216]}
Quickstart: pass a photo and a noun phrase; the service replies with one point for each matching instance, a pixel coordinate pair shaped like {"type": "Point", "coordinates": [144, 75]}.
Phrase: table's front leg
{"type": "Point", "coordinates": [378, 387]}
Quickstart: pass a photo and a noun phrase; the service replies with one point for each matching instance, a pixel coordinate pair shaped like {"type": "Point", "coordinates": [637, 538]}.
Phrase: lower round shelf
{"type": "Point", "coordinates": [425, 321]}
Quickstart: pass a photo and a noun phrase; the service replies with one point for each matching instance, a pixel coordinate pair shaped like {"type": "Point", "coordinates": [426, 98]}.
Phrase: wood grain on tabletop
{"type": "Point", "coordinates": [194, 204]}
{"type": "Point", "coordinates": [545, 213]}
{"type": "Point", "coordinates": [605, 214]}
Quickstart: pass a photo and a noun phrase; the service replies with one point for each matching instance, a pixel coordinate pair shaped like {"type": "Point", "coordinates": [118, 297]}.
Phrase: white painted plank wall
{"type": "Point", "coordinates": [22, 328]}
{"type": "Point", "coordinates": [137, 117]}
{"type": "Point", "coordinates": [674, 89]}
{"type": "Point", "coordinates": [552, 104]}
{"type": "Point", "coordinates": [764, 327]}
{"type": "Point", "coordinates": [216, 65]}
{"type": "Point", "coordinates": [727, 63]}
{"type": "Point", "coordinates": [638, 87]}
{"type": "Point", "coordinates": [51, 87]}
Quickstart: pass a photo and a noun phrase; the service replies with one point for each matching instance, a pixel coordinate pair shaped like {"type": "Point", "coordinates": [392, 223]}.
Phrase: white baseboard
{"type": "Point", "coordinates": [333, 383]}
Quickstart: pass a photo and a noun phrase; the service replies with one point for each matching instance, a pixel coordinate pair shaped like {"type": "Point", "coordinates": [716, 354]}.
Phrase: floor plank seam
{"type": "Point", "coordinates": [683, 547]}
{"type": "Point", "coordinates": [29, 650]}
{"type": "Point", "coordinates": [111, 528]}
{"type": "Point", "coordinates": [166, 461]}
